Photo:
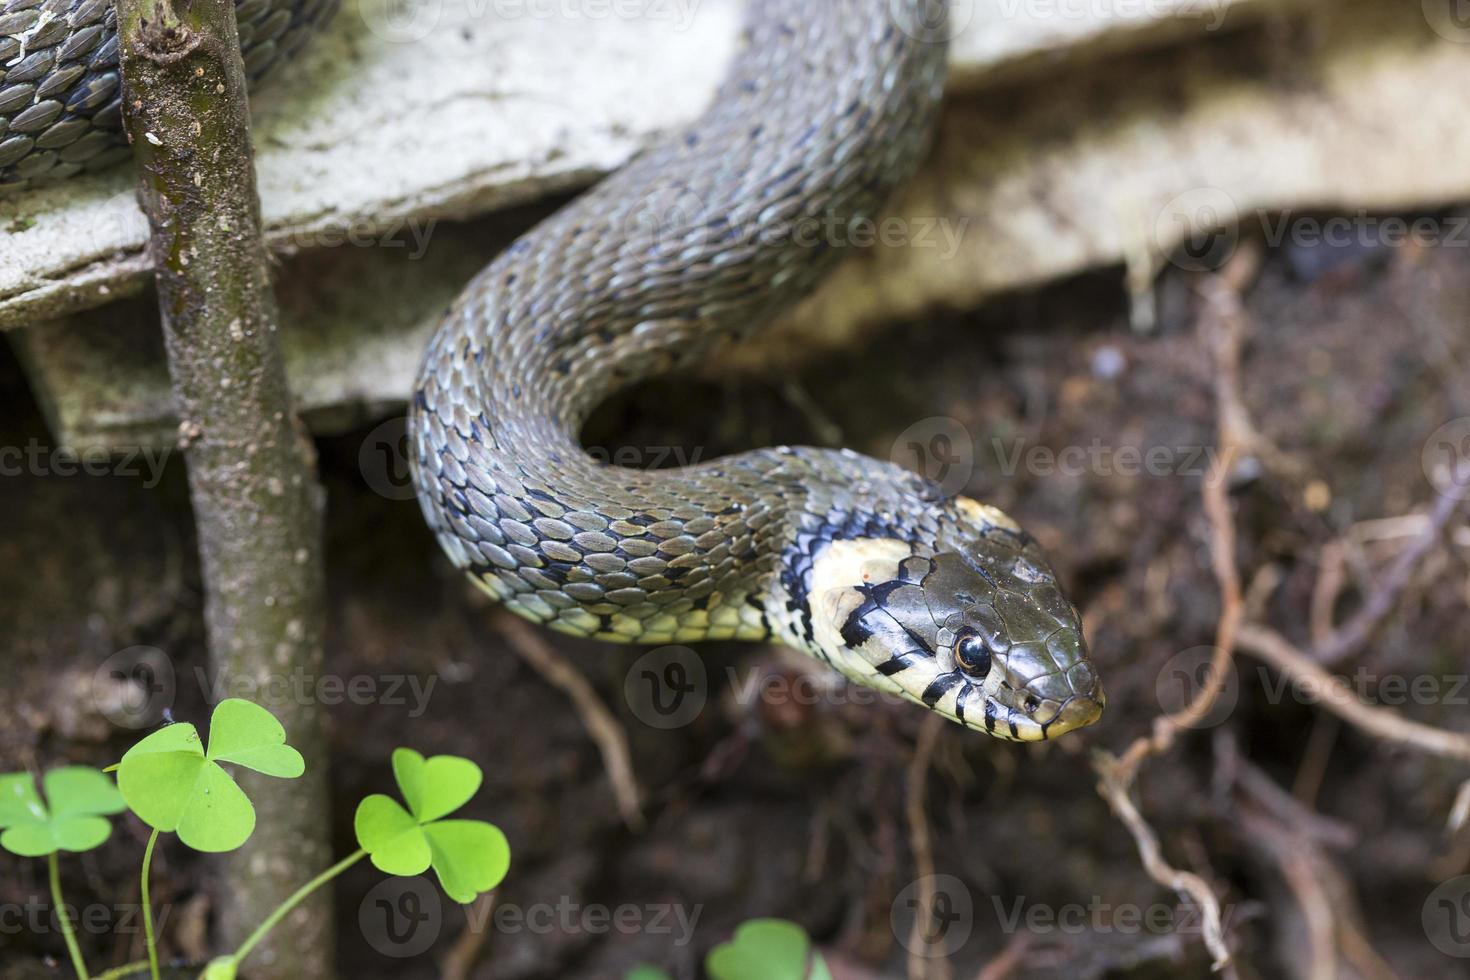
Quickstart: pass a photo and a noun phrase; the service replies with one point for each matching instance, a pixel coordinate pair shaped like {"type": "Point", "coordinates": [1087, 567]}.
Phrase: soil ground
{"type": "Point", "coordinates": [768, 805]}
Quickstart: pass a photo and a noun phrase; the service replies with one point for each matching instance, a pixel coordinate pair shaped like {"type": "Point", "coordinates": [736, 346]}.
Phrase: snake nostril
{"type": "Point", "coordinates": [1032, 703]}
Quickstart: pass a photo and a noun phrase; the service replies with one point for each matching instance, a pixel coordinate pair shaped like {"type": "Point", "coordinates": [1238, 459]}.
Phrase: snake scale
{"type": "Point", "coordinates": [872, 569]}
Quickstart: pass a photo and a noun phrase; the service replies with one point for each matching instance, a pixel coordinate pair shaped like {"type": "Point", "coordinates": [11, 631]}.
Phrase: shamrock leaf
{"type": "Point", "coordinates": [173, 784]}
{"type": "Point", "coordinates": [75, 820]}
{"type": "Point", "coordinates": [646, 973]}
{"type": "Point", "coordinates": [469, 856]}
{"type": "Point", "coordinates": [767, 949]}
{"type": "Point", "coordinates": [220, 968]}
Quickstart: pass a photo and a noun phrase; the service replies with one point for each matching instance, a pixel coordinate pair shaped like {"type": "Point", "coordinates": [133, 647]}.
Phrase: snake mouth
{"type": "Point", "coordinates": [1076, 712]}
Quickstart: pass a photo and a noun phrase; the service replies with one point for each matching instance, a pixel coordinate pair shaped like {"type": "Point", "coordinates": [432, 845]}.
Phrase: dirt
{"type": "Point", "coordinates": [773, 806]}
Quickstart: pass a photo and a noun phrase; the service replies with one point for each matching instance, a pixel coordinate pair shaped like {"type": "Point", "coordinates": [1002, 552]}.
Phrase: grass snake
{"type": "Point", "coordinates": [710, 232]}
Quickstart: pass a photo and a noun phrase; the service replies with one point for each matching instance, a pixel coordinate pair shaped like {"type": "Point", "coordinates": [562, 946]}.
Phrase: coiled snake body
{"type": "Point", "coordinates": [868, 567]}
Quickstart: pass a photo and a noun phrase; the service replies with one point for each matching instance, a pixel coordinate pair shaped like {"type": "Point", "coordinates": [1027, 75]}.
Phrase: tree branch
{"type": "Point", "coordinates": [252, 479]}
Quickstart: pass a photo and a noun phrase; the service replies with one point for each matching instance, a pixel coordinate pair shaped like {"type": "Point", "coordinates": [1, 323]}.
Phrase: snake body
{"type": "Point", "coordinates": [60, 91]}
{"type": "Point", "coordinates": [828, 106]}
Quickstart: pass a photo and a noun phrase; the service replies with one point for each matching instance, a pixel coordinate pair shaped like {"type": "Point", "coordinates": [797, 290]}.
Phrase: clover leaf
{"type": "Point", "coordinates": [173, 784]}
{"type": "Point", "coordinates": [469, 856]}
{"type": "Point", "coordinates": [79, 799]}
{"type": "Point", "coordinates": [646, 973]}
{"type": "Point", "coordinates": [767, 949]}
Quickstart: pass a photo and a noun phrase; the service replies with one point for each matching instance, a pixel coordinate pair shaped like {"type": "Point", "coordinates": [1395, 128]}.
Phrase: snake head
{"type": "Point", "coordinates": [977, 630]}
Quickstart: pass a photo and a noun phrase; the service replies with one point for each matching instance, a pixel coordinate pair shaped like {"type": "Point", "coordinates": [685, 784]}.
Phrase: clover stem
{"type": "Point", "coordinates": [66, 930]}
{"type": "Point", "coordinates": [126, 970]}
{"type": "Point", "coordinates": [296, 898]}
{"type": "Point", "coordinates": [148, 908]}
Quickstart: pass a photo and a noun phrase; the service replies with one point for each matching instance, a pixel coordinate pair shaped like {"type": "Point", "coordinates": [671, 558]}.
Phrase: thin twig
{"type": "Point", "coordinates": [1292, 855]}
{"type": "Point", "coordinates": [1336, 696]}
{"type": "Point", "coordinates": [609, 736]}
{"type": "Point", "coordinates": [460, 959]}
{"type": "Point", "coordinates": [1009, 960]}
{"type": "Point", "coordinates": [1114, 786]}
{"type": "Point", "coordinates": [1223, 328]}
{"type": "Point", "coordinates": [1351, 637]}
{"type": "Point", "coordinates": [921, 967]}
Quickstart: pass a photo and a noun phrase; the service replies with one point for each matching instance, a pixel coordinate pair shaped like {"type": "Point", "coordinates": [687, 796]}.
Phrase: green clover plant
{"type": "Point", "coordinates": [176, 783]}
{"type": "Point", "coordinates": [73, 818]}
{"type": "Point", "coordinates": [761, 949]}
{"type": "Point", "coordinates": [469, 856]}
{"type": "Point", "coordinates": [175, 786]}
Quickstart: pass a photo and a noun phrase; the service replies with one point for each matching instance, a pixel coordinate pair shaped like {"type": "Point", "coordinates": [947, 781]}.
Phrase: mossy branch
{"type": "Point", "coordinates": [257, 503]}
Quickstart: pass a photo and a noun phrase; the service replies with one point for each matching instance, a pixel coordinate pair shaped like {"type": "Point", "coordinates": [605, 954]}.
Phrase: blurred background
{"type": "Point", "coordinates": [1184, 288]}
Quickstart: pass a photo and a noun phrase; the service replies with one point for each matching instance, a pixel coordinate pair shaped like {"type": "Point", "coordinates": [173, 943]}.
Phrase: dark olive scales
{"type": "Point", "coordinates": [829, 106]}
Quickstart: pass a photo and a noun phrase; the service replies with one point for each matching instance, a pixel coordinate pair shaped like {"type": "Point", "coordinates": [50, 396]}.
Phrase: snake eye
{"type": "Point", "coordinates": [973, 656]}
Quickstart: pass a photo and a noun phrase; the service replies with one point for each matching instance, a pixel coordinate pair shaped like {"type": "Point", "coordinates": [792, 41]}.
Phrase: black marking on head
{"type": "Point", "coordinates": [897, 664]}
{"type": "Point", "coordinates": [855, 632]}
{"type": "Point", "coordinates": [1011, 721]}
{"type": "Point", "coordinates": [939, 687]}
{"type": "Point", "coordinates": [816, 534]}
{"type": "Point", "coordinates": [990, 715]}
